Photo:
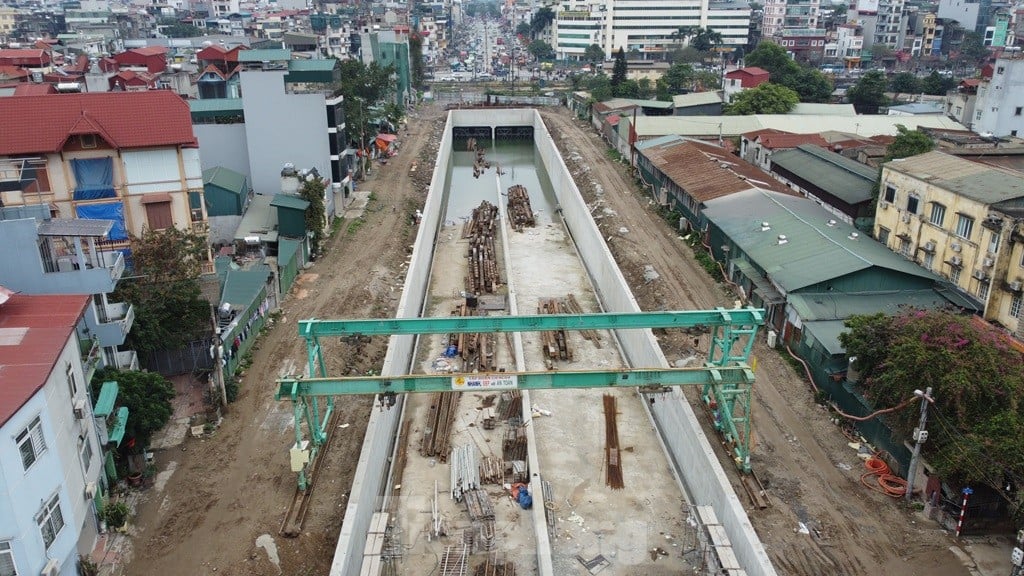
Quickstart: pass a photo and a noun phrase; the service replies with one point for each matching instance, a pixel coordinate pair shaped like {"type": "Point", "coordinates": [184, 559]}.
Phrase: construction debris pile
{"type": "Point", "coordinates": [483, 264]}
{"type": "Point", "coordinates": [520, 213]}
{"type": "Point", "coordinates": [493, 567]}
{"type": "Point", "coordinates": [480, 164]}
{"type": "Point", "coordinates": [613, 456]}
{"type": "Point", "coordinates": [554, 342]}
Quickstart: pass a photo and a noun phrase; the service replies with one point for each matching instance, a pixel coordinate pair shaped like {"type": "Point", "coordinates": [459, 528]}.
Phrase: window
{"type": "Point", "coordinates": [31, 443]}
{"type": "Point", "coordinates": [983, 290]}
{"type": "Point", "coordinates": [905, 247]}
{"type": "Point", "coordinates": [50, 520]}
{"type": "Point", "coordinates": [954, 275]}
{"type": "Point", "coordinates": [890, 193]}
{"type": "Point", "coordinates": [929, 260]}
{"type": "Point", "coordinates": [912, 203]}
{"type": "Point", "coordinates": [883, 235]}
{"type": "Point", "coordinates": [1017, 111]}
{"type": "Point", "coordinates": [1014, 313]}
{"type": "Point", "coordinates": [1013, 132]}
{"type": "Point", "coordinates": [1000, 70]}
{"type": "Point", "coordinates": [7, 567]}
{"type": "Point", "coordinates": [158, 215]}
{"type": "Point", "coordinates": [86, 453]}
{"type": "Point", "coordinates": [993, 242]}
{"type": "Point", "coordinates": [938, 214]}
{"type": "Point", "coordinates": [964, 226]}
{"type": "Point", "coordinates": [72, 384]}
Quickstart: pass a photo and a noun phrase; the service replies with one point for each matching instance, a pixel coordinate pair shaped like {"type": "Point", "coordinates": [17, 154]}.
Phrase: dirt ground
{"type": "Point", "coordinates": [228, 490]}
{"type": "Point", "coordinates": [797, 451]}
{"type": "Point", "coordinates": [223, 493]}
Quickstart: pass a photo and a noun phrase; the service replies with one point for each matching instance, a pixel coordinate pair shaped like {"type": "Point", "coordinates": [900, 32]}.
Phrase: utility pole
{"type": "Point", "coordinates": [217, 352]}
{"type": "Point", "coordinates": [920, 436]}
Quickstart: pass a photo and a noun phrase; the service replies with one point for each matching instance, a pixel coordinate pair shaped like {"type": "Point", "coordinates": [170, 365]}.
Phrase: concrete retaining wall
{"type": "Point", "coordinates": [368, 487]}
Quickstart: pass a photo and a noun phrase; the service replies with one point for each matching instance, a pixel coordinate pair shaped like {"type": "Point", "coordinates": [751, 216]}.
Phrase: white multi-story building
{"type": "Point", "coordinates": [649, 27]}
{"type": "Point", "coordinates": [782, 14]}
{"type": "Point", "coordinates": [50, 457]}
{"type": "Point", "coordinates": [999, 108]}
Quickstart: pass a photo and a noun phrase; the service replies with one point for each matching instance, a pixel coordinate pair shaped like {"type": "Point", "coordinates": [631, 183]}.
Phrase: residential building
{"type": "Point", "coordinates": [50, 456]}
{"type": "Point", "coordinates": [284, 104]}
{"type": "Point", "coordinates": [697, 104]}
{"type": "Point", "coordinates": [106, 156]}
{"type": "Point", "coordinates": [645, 26]}
{"type": "Point", "coordinates": [683, 175]}
{"type": "Point", "coordinates": [974, 15]}
{"type": "Point", "coordinates": [999, 109]}
{"type": "Point", "coordinates": [757, 147]}
{"type": "Point", "coordinates": [961, 102]}
{"type": "Point", "coordinates": [961, 219]}
{"type": "Point", "coordinates": [782, 14]}
{"type": "Point", "coordinates": [70, 260]}
{"type": "Point", "coordinates": [805, 44]}
{"type": "Point", "coordinates": [391, 48]}
{"type": "Point", "coordinates": [743, 78]}
{"type": "Point", "coordinates": [849, 45]}
{"type": "Point", "coordinates": [843, 187]}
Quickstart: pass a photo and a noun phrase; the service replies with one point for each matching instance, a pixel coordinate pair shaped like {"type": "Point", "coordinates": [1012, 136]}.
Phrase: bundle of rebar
{"type": "Point", "coordinates": [475, 349]}
{"type": "Point", "coordinates": [492, 470]}
{"type": "Point", "coordinates": [437, 430]}
{"type": "Point", "coordinates": [465, 474]}
{"type": "Point", "coordinates": [510, 405]}
{"type": "Point", "coordinates": [454, 562]}
{"type": "Point", "coordinates": [519, 211]}
{"type": "Point", "coordinates": [513, 445]}
{"type": "Point", "coordinates": [554, 342]}
{"type": "Point", "coordinates": [613, 477]}
{"type": "Point", "coordinates": [493, 567]}
{"type": "Point", "coordinates": [483, 264]}
{"type": "Point", "coordinates": [572, 306]}
{"type": "Point", "coordinates": [478, 505]}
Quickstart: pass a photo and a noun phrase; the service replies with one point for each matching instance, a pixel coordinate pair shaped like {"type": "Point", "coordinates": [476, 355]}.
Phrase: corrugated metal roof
{"type": "Point", "coordinates": [659, 141]}
{"type": "Point", "coordinates": [215, 105]}
{"type": "Point", "coordinates": [827, 333]}
{"type": "Point", "coordinates": [805, 108]}
{"type": "Point", "coordinates": [696, 99]}
{"type": "Point", "coordinates": [259, 220]}
{"type": "Point", "coordinates": [242, 286]}
{"type": "Point", "coordinates": [265, 55]}
{"type": "Point", "coordinates": [846, 179]}
{"type": "Point", "coordinates": [289, 201]}
{"type": "Point", "coordinates": [982, 183]}
{"type": "Point", "coordinates": [838, 306]}
{"type": "Point", "coordinates": [315, 65]}
{"type": "Point", "coordinates": [728, 126]}
{"type": "Point", "coordinates": [813, 252]}
{"type": "Point", "coordinates": [287, 248]}
{"type": "Point", "coordinates": [33, 332]}
{"type": "Point", "coordinates": [225, 179]}
{"type": "Point", "coordinates": [74, 227]}
{"type": "Point", "coordinates": [705, 171]}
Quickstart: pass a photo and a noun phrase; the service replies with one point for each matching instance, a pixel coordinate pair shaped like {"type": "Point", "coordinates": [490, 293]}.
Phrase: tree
{"type": "Point", "coordinates": [768, 98]}
{"type": "Point", "coordinates": [172, 28]}
{"type": "Point", "coordinates": [645, 89]}
{"type": "Point", "coordinates": [676, 80]}
{"type": "Point", "coordinates": [416, 58]}
{"type": "Point", "coordinates": [868, 94]}
{"type": "Point", "coordinates": [541, 50]}
{"type": "Point", "coordinates": [523, 29]}
{"type": "Point", "coordinates": [620, 69]}
{"type": "Point", "coordinates": [811, 85]}
{"type": "Point", "coordinates": [600, 87]}
{"type": "Point", "coordinates": [908, 143]}
{"type": "Point", "coordinates": [972, 48]}
{"type": "Point", "coordinates": [705, 39]}
{"type": "Point", "coordinates": [540, 20]}
{"type": "Point", "coordinates": [312, 191]}
{"type": "Point", "coordinates": [164, 290]}
{"type": "Point", "coordinates": [627, 89]}
{"type": "Point", "coordinates": [936, 84]}
{"type": "Point", "coordinates": [904, 83]}
{"type": "Point", "coordinates": [147, 395]}
{"type": "Point", "coordinates": [684, 55]}
{"type": "Point", "coordinates": [976, 426]}
{"type": "Point", "coordinates": [362, 87]}
{"type": "Point", "coordinates": [683, 33]}
{"type": "Point", "coordinates": [594, 54]}
{"type": "Point", "coordinates": [774, 59]}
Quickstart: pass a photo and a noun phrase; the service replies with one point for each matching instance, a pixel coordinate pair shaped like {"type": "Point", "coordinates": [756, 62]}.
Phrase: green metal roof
{"type": "Point", "coordinates": [105, 403]}
{"type": "Point", "coordinates": [265, 55]}
{"type": "Point", "coordinates": [242, 286]}
{"type": "Point", "coordinates": [289, 201]}
{"type": "Point", "coordinates": [116, 432]}
{"type": "Point", "coordinates": [315, 65]}
{"type": "Point", "coordinates": [837, 306]}
{"type": "Point", "coordinates": [287, 248]}
{"type": "Point", "coordinates": [813, 252]}
{"type": "Point", "coordinates": [660, 140]}
{"type": "Point", "coordinates": [827, 332]}
{"type": "Point", "coordinates": [846, 179]}
{"type": "Point", "coordinates": [213, 107]}
{"type": "Point", "coordinates": [616, 103]}
{"type": "Point", "coordinates": [225, 179]}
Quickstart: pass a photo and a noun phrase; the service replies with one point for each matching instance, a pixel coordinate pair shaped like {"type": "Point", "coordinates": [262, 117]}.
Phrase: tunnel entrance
{"type": "Point", "coordinates": [514, 133]}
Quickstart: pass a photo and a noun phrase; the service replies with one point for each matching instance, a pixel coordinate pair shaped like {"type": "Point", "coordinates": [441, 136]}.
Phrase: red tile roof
{"type": "Point", "coordinates": [41, 124]}
{"type": "Point", "coordinates": [27, 89]}
{"type": "Point", "coordinates": [150, 50]}
{"type": "Point", "coordinates": [754, 134]}
{"type": "Point", "coordinates": [706, 171]}
{"type": "Point", "coordinates": [33, 332]}
{"type": "Point", "coordinates": [13, 72]}
{"type": "Point", "coordinates": [748, 71]}
{"type": "Point", "coordinates": [21, 53]}
{"type": "Point", "coordinates": [971, 82]}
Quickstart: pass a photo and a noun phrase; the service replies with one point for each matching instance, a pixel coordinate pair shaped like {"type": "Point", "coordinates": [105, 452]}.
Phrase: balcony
{"type": "Point", "coordinates": [74, 261]}
{"type": "Point", "coordinates": [126, 360]}
{"type": "Point", "coordinates": [92, 355]}
{"type": "Point", "coordinates": [111, 322]}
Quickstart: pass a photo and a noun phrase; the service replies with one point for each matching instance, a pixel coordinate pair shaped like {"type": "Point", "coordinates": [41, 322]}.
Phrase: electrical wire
{"type": "Point", "coordinates": [885, 483]}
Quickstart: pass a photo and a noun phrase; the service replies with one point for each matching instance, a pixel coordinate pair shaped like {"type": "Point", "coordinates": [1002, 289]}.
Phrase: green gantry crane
{"type": "Point", "coordinates": [726, 376]}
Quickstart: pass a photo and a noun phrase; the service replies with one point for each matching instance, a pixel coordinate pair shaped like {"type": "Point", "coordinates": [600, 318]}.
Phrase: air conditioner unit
{"type": "Point", "coordinates": [956, 260]}
{"type": "Point", "coordinates": [52, 568]}
{"type": "Point", "coordinates": [1015, 285]}
{"type": "Point", "coordinates": [80, 409]}
{"type": "Point", "coordinates": [90, 490]}
{"type": "Point", "coordinates": [884, 205]}
{"type": "Point", "coordinates": [980, 274]}
{"type": "Point", "coordinates": [929, 246]}
{"type": "Point", "coordinates": [955, 247]}
{"type": "Point", "coordinates": [987, 262]}
{"type": "Point", "coordinates": [65, 264]}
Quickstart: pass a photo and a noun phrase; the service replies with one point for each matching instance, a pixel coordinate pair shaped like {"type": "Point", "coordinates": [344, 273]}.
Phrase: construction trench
{"type": "Point", "coordinates": [545, 482]}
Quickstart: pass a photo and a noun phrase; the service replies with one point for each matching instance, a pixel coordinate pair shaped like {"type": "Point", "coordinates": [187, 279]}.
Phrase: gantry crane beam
{"type": "Point", "coordinates": [726, 377]}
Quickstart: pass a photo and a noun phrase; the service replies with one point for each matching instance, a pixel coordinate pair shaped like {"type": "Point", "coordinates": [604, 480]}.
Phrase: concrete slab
{"type": "Point", "coordinates": [357, 204]}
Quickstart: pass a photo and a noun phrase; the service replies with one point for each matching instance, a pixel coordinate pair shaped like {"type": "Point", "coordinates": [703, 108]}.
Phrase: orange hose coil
{"type": "Point", "coordinates": [886, 483]}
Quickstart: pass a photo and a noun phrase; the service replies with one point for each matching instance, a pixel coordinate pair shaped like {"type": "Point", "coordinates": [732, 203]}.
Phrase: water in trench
{"type": "Point", "coordinates": [520, 163]}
